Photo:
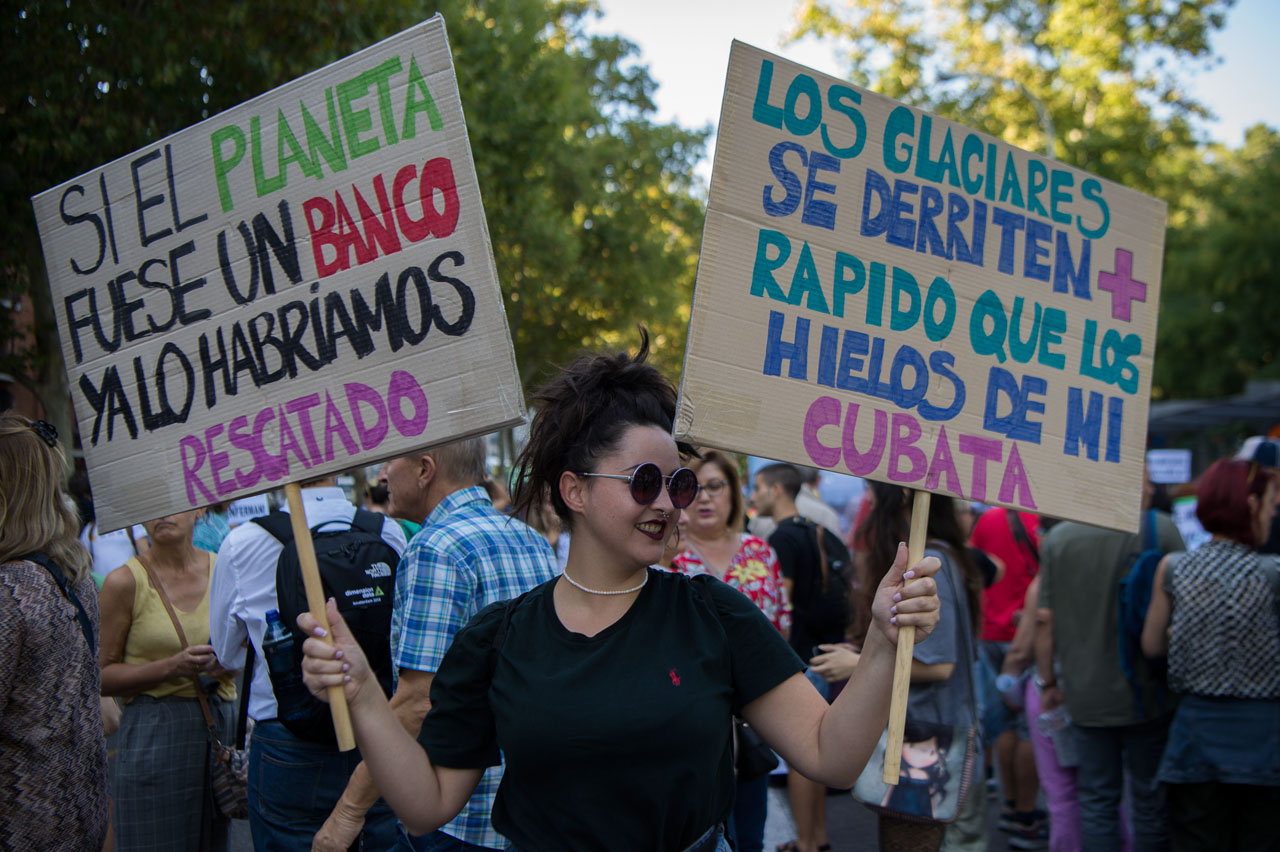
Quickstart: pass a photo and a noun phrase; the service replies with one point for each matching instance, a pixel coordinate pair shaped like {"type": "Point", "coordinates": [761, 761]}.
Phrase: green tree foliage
{"type": "Point", "coordinates": [1106, 74]}
{"type": "Point", "coordinates": [591, 211]}
{"type": "Point", "coordinates": [85, 83]}
{"type": "Point", "coordinates": [1219, 310]}
{"type": "Point", "coordinates": [591, 205]}
{"type": "Point", "coordinates": [1100, 85]}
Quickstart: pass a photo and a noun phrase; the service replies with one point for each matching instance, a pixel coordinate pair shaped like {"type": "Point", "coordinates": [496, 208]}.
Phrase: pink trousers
{"type": "Point", "coordinates": [1058, 783]}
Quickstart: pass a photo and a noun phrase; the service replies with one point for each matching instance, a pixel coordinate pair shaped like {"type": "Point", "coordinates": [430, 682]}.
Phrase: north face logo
{"type": "Point", "coordinates": [378, 569]}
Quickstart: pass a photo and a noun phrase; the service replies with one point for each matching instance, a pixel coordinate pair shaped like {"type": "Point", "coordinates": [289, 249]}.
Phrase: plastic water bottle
{"type": "Point", "coordinates": [1010, 688]}
{"type": "Point", "coordinates": [286, 675]}
{"type": "Point", "coordinates": [1056, 724]}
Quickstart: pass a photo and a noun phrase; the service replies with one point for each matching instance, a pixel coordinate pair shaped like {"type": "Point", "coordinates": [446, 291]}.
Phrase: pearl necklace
{"type": "Point", "coordinates": [577, 585]}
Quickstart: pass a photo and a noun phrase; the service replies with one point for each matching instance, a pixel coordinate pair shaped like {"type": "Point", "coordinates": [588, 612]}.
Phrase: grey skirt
{"type": "Point", "coordinates": [160, 777]}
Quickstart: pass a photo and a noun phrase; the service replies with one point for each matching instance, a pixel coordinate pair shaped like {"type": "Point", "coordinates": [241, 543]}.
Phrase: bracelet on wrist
{"type": "Point", "coordinates": [1045, 684]}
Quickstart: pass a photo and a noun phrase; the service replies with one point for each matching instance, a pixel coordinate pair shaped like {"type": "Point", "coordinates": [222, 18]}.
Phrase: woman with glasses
{"type": "Point", "coordinates": [609, 690]}
{"type": "Point", "coordinates": [717, 545]}
{"type": "Point", "coordinates": [1215, 613]}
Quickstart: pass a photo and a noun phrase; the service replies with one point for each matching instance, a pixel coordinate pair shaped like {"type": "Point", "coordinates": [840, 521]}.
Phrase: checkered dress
{"type": "Point", "coordinates": [1224, 637]}
{"type": "Point", "coordinates": [160, 777]}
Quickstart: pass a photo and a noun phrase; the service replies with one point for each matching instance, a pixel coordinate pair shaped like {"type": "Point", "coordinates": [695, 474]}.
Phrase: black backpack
{"type": "Point", "coordinates": [829, 612]}
{"type": "Point", "coordinates": [1134, 600]}
{"type": "Point", "coordinates": [358, 570]}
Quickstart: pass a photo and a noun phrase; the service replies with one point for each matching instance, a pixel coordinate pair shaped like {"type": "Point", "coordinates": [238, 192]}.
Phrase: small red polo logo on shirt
{"type": "Point", "coordinates": [675, 677]}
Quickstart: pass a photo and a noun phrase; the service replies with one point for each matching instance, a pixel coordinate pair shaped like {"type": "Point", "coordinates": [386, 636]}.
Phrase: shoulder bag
{"type": "Point", "coordinates": [937, 760]}
{"type": "Point", "coordinates": [228, 765]}
{"type": "Point", "coordinates": [752, 757]}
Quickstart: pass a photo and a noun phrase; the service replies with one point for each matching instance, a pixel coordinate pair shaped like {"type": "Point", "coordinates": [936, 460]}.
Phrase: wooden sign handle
{"type": "Point", "coordinates": [315, 601]}
{"type": "Point", "coordinates": [906, 646]}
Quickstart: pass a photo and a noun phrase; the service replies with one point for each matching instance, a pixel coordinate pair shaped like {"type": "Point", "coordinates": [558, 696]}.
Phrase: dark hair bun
{"type": "Point", "coordinates": [581, 415]}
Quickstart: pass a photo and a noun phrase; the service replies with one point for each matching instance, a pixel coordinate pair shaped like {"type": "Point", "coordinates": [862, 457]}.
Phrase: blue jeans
{"type": "Point", "coordinates": [713, 841]}
{"type": "Point", "coordinates": [746, 822]}
{"type": "Point", "coordinates": [995, 716]}
{"type": "Point", "coordinates": [437, 841]}
{"type": "Point", "coordinates": [293, 786]}
{"type": "Point", "coordinates": [1105, 754]}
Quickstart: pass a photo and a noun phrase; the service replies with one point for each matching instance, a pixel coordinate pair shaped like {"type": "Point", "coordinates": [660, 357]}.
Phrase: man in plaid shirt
{"type": "Point", "coordinates": [466, 556]}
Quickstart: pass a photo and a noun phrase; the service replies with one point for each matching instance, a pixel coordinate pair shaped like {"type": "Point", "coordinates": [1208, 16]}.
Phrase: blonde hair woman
{"type": "Point", "coordinates": [53, 759]}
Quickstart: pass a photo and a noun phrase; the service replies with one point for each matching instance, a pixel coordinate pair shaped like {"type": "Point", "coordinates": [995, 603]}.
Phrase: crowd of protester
{"type": "Point", "coordinates": [543, 683]}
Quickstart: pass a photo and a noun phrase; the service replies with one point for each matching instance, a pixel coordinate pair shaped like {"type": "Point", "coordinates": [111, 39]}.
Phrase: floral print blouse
{"type": "Point", "coordinates": [754, 572]}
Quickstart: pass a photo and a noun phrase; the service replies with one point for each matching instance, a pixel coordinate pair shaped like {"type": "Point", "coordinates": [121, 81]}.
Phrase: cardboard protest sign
{"type": "Point", "coordinates": [1189, 527]}
{"type": "Point", "coordinates": [1169, 467]}
{"type": "Point", "coordinates": [296, 286]}
{"type": "Point", "coordinates": [243, 511]}
{"type": "Point", "coordinates": [885, 293]}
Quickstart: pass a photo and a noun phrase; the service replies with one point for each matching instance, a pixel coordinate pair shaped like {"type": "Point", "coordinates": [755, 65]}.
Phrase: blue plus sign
{"type": "Point", "coordinates": [1120, 284]}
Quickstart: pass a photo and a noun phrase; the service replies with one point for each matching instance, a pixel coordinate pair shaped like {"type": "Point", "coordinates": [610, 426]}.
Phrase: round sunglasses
{"type": "Point", "coordinates": [646, 484]}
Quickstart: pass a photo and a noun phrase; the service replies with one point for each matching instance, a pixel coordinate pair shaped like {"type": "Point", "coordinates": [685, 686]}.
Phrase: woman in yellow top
{"type": "Point", "coordinates": [159, 778]}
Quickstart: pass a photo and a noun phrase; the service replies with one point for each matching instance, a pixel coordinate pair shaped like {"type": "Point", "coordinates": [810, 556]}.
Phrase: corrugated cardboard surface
{"type": "Point", "coordinates": [156, 205]}
{"type": "Point", "coordinates": [729, 399]}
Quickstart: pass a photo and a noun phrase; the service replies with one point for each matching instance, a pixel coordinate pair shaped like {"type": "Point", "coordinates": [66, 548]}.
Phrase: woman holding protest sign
{"type": "Point", "coordinates": [53, 759]}
{"type": "Point", "coordinates": [610, 690]}
{"type": "Point", "coordinates": [1215, 613]}
{"type": "Point", "coordinates": [942, 690]}
{"type": "Point", "coordinates": [156, 655]}
{"type": "Point", "coordinates": [717, 546]}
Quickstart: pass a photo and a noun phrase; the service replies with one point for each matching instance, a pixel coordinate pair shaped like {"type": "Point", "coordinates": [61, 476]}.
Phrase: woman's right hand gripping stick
{"type": "Point", "coordinates": [423, 797]}
{"type": "Point", "coordinates": [337, 662]}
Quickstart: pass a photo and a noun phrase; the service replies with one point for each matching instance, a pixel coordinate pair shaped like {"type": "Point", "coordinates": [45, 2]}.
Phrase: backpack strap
{"type": "Point", "coordinates": [242, 717]}
{"type": "Point", "coordinates": [86, 626]}
{"type": "Point", "coordinates": [1020, 535]}
{"type": "Point", "coordinates": [1150, 539]}
{"type": "Point", "coordinates": [370, 522]}
{"type": "Point", "coordinates": [967, 646]}
{"type": "Point", "coordinates": [279, 524]}
{"type": "Point", "coordinates": [818, 533]}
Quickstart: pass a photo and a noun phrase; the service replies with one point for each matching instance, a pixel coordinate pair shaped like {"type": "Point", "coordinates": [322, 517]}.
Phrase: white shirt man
{"type": "Point", "coordinates": [285, 809]}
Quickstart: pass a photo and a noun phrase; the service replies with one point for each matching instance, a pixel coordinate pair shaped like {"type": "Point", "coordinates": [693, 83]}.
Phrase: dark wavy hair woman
{"type": "Point", "coordinates": [941, 691]}
{"type": "Point", "coordinates": [609, 690]}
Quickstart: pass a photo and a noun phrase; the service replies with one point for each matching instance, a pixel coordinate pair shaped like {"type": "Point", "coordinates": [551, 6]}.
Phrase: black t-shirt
{"type": "Point", "coordinates": [800, 562]}
{"type": "Point", "coordinates": [618, 741]}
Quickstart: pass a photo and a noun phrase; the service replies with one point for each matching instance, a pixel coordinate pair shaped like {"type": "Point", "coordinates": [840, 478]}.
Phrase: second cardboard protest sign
{"type": "Point", "coordinates": [293, 287]}
{"type": "Point", "coordinates": [885, 293]}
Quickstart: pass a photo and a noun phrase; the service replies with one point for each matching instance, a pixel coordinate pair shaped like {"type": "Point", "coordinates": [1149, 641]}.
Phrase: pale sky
{"type": "Point", "coordinates": [685, 43]}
